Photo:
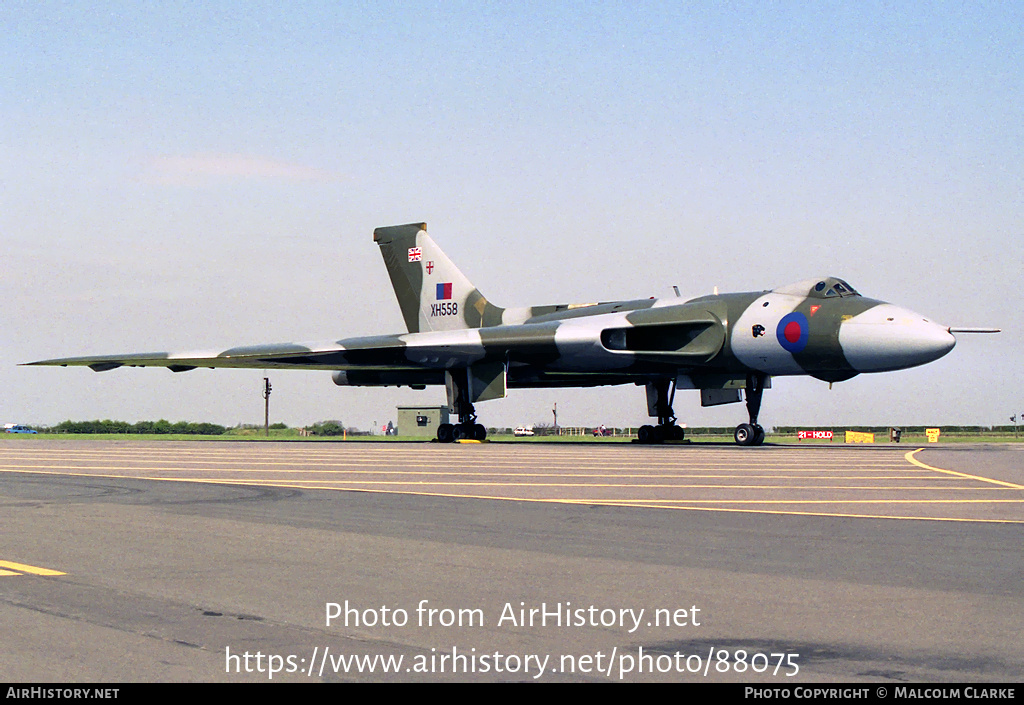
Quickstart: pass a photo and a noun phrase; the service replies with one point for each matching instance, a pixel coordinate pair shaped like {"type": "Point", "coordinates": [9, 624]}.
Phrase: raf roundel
{"type": "Point", "coordinates": [793, 332]}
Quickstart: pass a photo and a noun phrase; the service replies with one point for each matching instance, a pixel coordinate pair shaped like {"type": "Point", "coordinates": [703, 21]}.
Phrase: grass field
{"type": "Point", "coordinates": [290, 434]}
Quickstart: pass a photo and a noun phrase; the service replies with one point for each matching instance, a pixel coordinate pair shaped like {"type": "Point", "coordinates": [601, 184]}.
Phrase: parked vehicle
{"type": "Point", "coordinates": [523, 431]}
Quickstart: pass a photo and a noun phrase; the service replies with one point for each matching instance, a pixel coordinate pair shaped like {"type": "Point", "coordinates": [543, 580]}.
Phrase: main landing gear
{"type": "Point", "coordinates": [464, 430]}
{"type": "Point", "coordinates": [660, 395]}
{"type": "Point", "coordinates": [751, 434]}
{"type": "Point", "coordinates": [467, 429]}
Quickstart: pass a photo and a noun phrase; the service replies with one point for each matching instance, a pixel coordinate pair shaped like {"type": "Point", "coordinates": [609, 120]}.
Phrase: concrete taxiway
{"type": "Point", "coordinates": [874, 563]}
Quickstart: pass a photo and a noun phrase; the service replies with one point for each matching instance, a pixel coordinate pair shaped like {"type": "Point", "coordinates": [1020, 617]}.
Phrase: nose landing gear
{"type": "Point", "coordinates": [751, 434]}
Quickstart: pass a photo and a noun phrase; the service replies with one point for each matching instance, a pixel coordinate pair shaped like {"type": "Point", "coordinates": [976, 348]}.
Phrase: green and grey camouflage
{"type": "Point", "coordinates": [721, 345]}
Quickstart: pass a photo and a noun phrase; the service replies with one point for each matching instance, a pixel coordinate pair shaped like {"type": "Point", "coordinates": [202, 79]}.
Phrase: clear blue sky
{"type": "Point", "coordinates": [192, 175]}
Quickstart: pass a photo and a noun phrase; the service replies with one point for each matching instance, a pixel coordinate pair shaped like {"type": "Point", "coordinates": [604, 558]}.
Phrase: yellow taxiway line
{"type": "Point", "coordinates": [20, 568]}
{"type": "Point", "coordinates": [910, 457]}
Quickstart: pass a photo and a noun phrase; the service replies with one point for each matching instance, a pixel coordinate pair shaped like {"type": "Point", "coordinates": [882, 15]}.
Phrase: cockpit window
{"type": "Point", "coordinates": [850, 291]}
{"type": "Point", "coordinates": [826, 288]}
{"type": "Point", "coordinates": [832, 287]}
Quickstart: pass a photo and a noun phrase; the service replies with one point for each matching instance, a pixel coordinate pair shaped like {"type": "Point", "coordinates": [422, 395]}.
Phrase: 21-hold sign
{"type": "Point", "coordinates": [814, 435]}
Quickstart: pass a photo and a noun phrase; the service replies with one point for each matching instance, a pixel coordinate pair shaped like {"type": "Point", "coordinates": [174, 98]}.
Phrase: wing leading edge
{"type": "Point", "coordinates": [406, 352]}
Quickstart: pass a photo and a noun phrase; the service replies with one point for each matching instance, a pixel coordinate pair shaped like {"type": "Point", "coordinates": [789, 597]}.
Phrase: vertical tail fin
{"type": "Point", "coordinates": [432, 293]}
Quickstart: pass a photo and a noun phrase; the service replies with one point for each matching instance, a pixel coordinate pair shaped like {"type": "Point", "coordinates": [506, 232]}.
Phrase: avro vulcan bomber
{"type": "Point", "coordinates": [728, 346]}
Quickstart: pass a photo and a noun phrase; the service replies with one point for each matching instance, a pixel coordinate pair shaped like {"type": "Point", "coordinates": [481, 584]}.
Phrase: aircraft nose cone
{"type": "Point", "coordinates": [887, 338]}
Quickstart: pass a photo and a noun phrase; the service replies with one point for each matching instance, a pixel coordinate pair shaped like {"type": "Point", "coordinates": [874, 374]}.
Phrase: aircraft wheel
{"type": "Point", "coordinates": [645, 434]}
{"type": "Point", "coordinates": [461, 431]}
{"type": "Point", "coordinates": [658, 434]}
{"type": "Point", "coordinates": [758, 435]}
{"type": "Point", "coordinates": [676, 433]}
{"type": "Point", "coordinates": [744, 435]}
{"type": "Point", "coordinates": [446, 433]}
{"type": "Point", "coordinates": [479, 431]}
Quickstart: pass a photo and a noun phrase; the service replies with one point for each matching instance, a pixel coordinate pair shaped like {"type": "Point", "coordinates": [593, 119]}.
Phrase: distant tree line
{"type": "Point", "coordinates": [326, 428]}
{"type": "Point", "coordinates": [162, 426]}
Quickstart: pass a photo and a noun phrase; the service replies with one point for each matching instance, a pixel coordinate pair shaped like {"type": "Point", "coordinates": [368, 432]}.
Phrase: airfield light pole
{"type": "Point", "coordinates": [266, 406]}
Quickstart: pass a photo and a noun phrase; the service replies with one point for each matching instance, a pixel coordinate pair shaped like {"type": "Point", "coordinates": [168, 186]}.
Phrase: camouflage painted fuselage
{"type": "Point", "coordinates": [819, 327]}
